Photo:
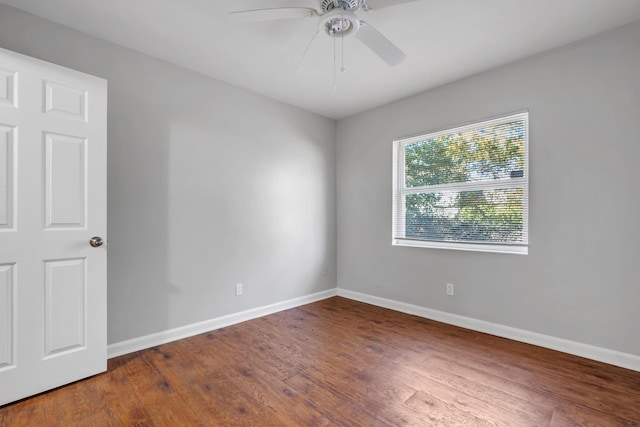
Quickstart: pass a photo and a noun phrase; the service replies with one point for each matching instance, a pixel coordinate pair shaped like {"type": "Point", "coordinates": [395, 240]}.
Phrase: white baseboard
{"type": "Point", "coordinates": [600, 354]}
{"type": "Point", "coordinates": [152, 340]}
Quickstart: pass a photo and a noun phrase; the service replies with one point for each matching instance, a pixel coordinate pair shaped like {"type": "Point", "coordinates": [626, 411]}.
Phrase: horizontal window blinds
{"type": "Point", "coordinates": [468, 184]}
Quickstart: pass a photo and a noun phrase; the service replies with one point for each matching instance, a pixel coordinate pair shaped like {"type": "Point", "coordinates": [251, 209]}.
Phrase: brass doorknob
{"type": "Point", "coordinates": [96, 241]}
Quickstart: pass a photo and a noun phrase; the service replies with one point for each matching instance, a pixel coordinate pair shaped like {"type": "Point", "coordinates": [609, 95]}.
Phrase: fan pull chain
{"type": "Point", "coordinates": [342, 69]}
{"type": "Point", "coordinates": [335, 86]}
{"type": "Point", "coordinates": [306, 50]}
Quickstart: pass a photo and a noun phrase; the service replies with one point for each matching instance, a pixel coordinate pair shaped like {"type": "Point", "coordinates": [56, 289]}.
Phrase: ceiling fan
{"type": "Point", "coordinates": [337, 19]}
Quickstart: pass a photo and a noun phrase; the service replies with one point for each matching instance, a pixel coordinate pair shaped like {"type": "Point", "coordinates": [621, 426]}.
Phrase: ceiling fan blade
{"type": "Point", "coordinates": [379, 4]}
{"type": "Point", "coordinates": [380, 45]}
{"type": "Point", "coordinates": [259, 15]}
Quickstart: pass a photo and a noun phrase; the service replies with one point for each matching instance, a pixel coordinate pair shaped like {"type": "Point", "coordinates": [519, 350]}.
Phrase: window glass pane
{"type": "Point", "coordinates": [481, 216]}
{"type": "Point", "coordinates": [482, 154]}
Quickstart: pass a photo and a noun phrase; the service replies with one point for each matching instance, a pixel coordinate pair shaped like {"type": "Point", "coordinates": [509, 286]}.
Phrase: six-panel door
{"type": "Point", "coordinates": [52, 201]}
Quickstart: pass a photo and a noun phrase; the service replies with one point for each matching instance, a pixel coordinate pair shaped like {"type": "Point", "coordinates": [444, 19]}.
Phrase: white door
{"type": "Point", "coordinates": [52, 202]}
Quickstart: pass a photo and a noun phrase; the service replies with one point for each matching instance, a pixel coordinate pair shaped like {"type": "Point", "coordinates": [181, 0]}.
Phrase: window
{"type": "Point", "coordinates": [464, 188]}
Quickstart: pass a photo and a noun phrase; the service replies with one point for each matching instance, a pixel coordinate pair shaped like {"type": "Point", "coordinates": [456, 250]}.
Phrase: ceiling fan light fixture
{"type": "Point", "coordinates": [339, 23]}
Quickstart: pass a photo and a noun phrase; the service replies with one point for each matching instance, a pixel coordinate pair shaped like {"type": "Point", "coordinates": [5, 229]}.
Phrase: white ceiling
{"type": "Point", "coordinates": [444, 40]}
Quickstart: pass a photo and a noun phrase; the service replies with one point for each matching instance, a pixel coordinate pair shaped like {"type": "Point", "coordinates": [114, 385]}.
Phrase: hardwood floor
{"type": "Point", "coordinates": [340, 362]}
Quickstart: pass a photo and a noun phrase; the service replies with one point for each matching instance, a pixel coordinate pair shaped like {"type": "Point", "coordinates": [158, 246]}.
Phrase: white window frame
{"type": "Point", "coordinates": [400, 191]}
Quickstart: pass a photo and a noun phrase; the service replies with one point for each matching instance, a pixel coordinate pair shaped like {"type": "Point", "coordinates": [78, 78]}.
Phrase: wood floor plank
{"type": "Point", "coordinates": [571, 415]}
{"type": "Point", "coordinates": [442, 412]}
{"type": "Point", "coordinates": [260, 398]}
{"type": "Point", "coordinates": [344, 363]}
{"type": "Point", "coordinates": [212, 386]}
{"type": "Point", "coordinates": [481, 396]}
{"type": "Point", "coordinates": [375, 390]}
{"type": "Point", "coordinates": [578, 388]}
{"type": "Point", "coordinates": [459, 374]}
{"type": "Point", "coordinates": [334, 405]}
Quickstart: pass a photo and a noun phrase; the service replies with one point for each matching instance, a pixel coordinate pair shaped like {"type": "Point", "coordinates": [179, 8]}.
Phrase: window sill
{"type": "Point", "coordinates": [501, 249]}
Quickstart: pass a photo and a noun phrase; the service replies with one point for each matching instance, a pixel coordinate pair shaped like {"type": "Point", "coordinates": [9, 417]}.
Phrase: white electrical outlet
{"type": "Point", "coordinates": [449, 288]}
{"type": "Point", "coordinates": [238, 289]}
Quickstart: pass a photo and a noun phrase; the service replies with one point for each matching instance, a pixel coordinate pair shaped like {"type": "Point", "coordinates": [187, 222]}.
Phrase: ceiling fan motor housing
{"type": "Point", "coordinates": [328, 5]}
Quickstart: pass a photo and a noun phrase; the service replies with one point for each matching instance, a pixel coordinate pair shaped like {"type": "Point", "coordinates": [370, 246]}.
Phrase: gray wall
{"type": "Point", "coordinates": [581, 279]}
{"type": "Point", "coordinates": [209, 185]}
